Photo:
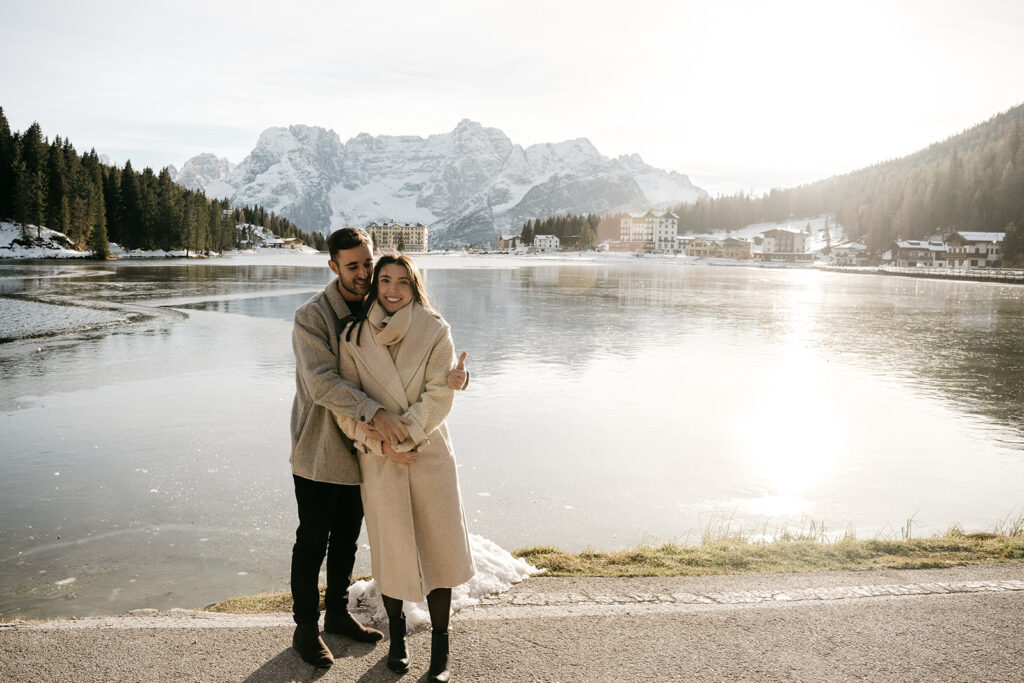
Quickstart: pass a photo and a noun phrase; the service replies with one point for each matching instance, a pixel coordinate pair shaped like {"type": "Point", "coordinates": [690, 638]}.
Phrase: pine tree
{"type": "Point", "coordinates": [22, 192]}
{"type": "Point", "coordinates": [113, 202]}
{"type": "Point", "coordinates": [97, 243]}
{"type": "Point", "coordinates": [527, 233]}
{"type": "Point", "coordinates": [586, 238]}
{"type": "Point", "coordinates": [131, 229]}
{"type": "Point", "coordinates": [58, 216]}
{"type": "Point", "coordinates": [8, 149]}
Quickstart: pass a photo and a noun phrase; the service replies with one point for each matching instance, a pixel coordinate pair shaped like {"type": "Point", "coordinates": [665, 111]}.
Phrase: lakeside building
{"type": "Point", "coordinates": [735, 248]}
{"type": "Point", "coordinates": [280, 243]}
{"type": "Point", "coordinates": [784, 246]}
{"type": "Point", "coordinates": [653, 231]}
{"type": "Point", "coordinates": [399, 236]}
{"type": "Point", "coordinates": [703, 248]}
{"type": "Point", "coordinates": [510, 243]}
{"type": "Point", "coordinates": [850, 254]}
{"type": "Point", "coordinates": [545, 242]}
{"type": "Point", "coordinates": [975, 249]}
{"type": "Point", "coordinates": [913, 253]}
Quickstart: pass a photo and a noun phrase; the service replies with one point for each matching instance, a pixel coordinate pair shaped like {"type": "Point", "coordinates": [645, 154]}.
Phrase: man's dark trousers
{"type": "Point", "coordinates": [330, 516]}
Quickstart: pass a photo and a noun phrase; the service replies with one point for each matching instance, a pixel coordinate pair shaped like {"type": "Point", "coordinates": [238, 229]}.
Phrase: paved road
{"type": "Point", "coordinates": [961, 624]}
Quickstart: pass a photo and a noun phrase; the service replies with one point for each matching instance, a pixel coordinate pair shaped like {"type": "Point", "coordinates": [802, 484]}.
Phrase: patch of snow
{"type": "Point", "coordinates": [496, 571]}
{"type": "Point", "coordinates": [36, 243]}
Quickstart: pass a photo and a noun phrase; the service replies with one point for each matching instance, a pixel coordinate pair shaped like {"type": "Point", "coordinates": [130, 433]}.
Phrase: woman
{"type": "Point", "coordinates": [399, 351]}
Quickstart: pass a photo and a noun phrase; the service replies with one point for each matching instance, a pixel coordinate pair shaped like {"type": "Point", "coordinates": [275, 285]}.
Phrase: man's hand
{"type": "Point", "coordinates": [407, 458]}
{"type": "Point", "coordinates": [390, 428]}
{"type": "Point", "coordinates": [457, 377]}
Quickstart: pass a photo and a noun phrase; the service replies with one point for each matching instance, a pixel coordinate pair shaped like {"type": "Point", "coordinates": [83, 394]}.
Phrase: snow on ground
{"type": "Point", "coordinates": [496, 571]}
{"type": "Point", "coordinates": [53, 244]}
{"type": "Point", "coordinates": [122, 253]}
{"type": "Point", "coordinates": [40, 243]}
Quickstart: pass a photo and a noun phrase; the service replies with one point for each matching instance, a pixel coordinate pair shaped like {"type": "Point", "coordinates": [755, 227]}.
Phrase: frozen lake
{"type": "Point", "coordinates": [144, 456]}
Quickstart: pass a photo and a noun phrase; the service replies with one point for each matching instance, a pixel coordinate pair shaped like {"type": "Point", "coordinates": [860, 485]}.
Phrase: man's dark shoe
{"type": "Point", "coordinates": [311, 647]}
{"type": "Point", "coordinates": [344, 624]}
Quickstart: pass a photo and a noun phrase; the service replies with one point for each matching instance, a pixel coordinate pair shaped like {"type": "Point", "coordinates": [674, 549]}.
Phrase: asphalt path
{"type": "Point", "coordinates": [958, 624]}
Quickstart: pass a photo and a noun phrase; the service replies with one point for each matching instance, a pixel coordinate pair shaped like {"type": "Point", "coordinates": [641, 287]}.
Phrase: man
{"type": "Point", "coordinates": [325, 472]}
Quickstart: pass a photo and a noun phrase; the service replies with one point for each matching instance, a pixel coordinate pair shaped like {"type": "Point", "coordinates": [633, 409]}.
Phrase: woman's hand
{"type": "Point", "coordinates": [406, 458]}
{"type": "Point", "coordinates": [388, 427]}
{"type": "Point", "coordinates": [457, 377]}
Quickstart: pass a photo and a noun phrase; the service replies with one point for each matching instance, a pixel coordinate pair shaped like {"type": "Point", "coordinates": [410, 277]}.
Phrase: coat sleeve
{"type": "Point", "coordinates": [351, 427]}
{"type": "Point", "coordinates": [436, 399]}
{"type": "Point", "coordinates": [317, 368]}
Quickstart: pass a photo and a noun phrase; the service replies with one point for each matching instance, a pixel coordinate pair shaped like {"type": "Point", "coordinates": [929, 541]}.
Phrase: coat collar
{"type": "Point", "coordinates": [337, 301]}
{"type": "Point", "coordinates": [402, 377]}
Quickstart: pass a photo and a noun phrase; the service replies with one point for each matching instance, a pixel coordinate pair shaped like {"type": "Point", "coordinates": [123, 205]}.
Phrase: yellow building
{"type": "Point", "coordinates": [398, 236]}
{"type": "Point", "coordinates": [736, 248]}
{"type": "Point", "coordinates": [703, 248]}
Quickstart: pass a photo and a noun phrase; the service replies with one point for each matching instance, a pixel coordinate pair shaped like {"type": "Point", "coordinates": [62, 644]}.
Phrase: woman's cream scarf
{"type": "Point", "coordinates": [390, 330]}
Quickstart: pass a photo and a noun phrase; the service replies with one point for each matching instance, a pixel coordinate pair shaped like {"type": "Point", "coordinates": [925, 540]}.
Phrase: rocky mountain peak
{"type": "Point", "coordinates": [468, 185]}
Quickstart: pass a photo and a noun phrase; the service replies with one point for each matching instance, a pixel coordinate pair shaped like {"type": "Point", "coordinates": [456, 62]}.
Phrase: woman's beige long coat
{"type": "Point", "coordinates": [414, 517]}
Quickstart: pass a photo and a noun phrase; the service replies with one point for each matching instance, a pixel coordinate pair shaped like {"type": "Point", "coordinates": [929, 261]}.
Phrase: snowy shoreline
{"type": "Point", "coordinates": [44, 244]}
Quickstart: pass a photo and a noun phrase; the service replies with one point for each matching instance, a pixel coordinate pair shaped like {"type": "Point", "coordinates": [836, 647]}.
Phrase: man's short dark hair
{"type": "Point", "coordinates": [347, 238]}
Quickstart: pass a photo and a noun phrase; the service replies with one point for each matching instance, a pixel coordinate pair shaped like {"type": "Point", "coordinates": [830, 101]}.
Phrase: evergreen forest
{"type": "Point", "coordinates": [576, 232]}
{"type": "Point", "coordinates": [48, 183]}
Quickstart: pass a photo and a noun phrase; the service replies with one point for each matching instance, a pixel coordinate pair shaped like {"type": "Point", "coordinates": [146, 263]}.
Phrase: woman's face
{"type": "Point", "coordinates": [394, 289]}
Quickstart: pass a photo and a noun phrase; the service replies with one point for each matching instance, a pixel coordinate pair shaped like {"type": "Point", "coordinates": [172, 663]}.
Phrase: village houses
{"type": "Point", "coordinates": [913, 253]}
{"type": "Point", "coordinates": [975, 249]}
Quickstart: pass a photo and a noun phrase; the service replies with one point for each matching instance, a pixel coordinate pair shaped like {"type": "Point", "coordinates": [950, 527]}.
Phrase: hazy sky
{"type": "Point", "coordinates": [738, 95]}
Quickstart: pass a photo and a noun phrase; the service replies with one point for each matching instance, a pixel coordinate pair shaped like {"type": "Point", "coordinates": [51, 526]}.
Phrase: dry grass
{"type": "Point", "coordinates": [724, 549]}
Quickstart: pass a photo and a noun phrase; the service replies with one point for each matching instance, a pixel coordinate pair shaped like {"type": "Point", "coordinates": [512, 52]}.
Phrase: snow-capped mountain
{"type": "Point", "coordinates": [468, 185]}
{"type": "Point", "coordinates": [199, 171]}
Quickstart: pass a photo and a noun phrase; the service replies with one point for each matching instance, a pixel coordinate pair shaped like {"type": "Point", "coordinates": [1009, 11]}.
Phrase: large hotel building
{"type": "Point", "coordinates": [398, 236]}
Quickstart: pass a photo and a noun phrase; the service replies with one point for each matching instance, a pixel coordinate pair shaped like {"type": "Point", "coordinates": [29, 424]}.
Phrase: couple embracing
{"type": "Point", "coordinates": [375, 377]}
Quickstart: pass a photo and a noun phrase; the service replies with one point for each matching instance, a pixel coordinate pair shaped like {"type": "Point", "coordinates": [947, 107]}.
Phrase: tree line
{"type": "Point", "coordinates": [48, 183]}
{"type": "Point", "coordinates": [578, 232]}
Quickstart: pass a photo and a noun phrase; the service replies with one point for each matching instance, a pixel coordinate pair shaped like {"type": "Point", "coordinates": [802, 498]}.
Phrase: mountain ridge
{"type": "Point", "coordinates": [469, 185]}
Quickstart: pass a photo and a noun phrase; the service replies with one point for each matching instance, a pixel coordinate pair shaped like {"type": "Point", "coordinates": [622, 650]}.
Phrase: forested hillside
{"type": "Point", "coordinates": [48, 183]}
{"type": "Point", "coordinates": [973, 181]}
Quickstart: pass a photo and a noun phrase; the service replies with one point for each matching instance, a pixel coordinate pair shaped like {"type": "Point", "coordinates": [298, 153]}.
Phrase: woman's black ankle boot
{"type": "Point", "coordinates": [438, 671]}
{"type": "Point", "coordinates": [398, 656]}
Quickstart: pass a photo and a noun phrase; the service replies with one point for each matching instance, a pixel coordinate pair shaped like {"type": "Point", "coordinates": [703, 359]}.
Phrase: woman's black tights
{"type": "Point", "coordinates": [439, 602]}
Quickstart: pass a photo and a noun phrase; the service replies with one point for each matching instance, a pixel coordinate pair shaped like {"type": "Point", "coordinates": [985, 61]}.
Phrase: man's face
{"type": "Point", "coordinates": [354, 268]}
